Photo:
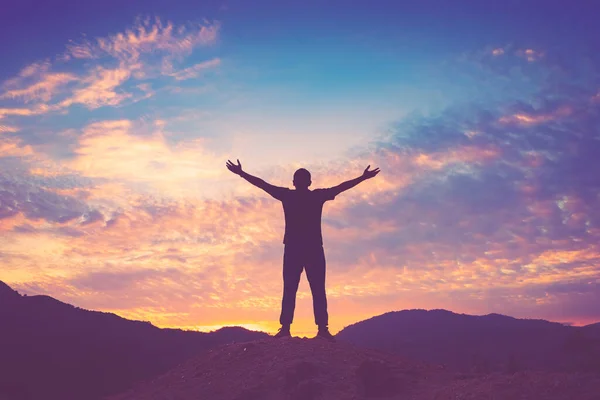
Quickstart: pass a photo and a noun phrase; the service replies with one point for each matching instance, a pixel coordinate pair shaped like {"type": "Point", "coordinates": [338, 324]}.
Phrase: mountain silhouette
{"type": "Point", "coordinates": [593, 328]}
{"type": "Point", "coordinates": [52, 350]}
{"type": "Point", "coordinates": [6, 293]}
{"type": "Point", "coordinates": [485, 343]}
{"type": "Point", "coordinates": [317, 369]}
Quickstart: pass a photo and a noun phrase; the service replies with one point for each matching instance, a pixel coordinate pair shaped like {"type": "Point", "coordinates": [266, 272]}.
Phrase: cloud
{"type": "Point", "coordinates": [36, 203]}
{"type": "Point", "coordinates": [148, 36]}
{"type": "Point", "coordinates": [12, 147]}
{"type": "Point", "coordinates": [115, 66]}
{"type": "Point", "coordinates": [33, 187]}
{"type": "Point", "coordinates": [528, 119]}
{"type": "Point", "coordinates": [99, 88]}
{"type": "Point", "coordinates": [139, 153]}
{"type": "Point", "coordinates": [111, 280]}
{"type": "Point", "coordinates": [530, 54]}
{"type": "Point", "coordinates": [22, 111]}
{"type": "Point", "coordinates": [8, 129]}
{"type": "Point", "coordinates": [44, 88]}
{"type": "Point", "coordinates": [195, 70]}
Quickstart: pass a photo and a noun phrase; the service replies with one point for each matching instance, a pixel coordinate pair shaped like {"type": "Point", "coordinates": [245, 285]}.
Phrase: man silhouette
{"type": "Point", "coordinates": [303, 240]}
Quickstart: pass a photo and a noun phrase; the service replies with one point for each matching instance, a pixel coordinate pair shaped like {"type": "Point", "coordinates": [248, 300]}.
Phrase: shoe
{"type": "Point", "coordinates": [284, 331]}
{"type": "Point", "coordinates": [325, 334]}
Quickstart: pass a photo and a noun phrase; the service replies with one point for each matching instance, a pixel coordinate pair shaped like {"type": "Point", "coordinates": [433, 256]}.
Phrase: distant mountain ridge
{"type": "Point", "coordinates": [490, 342]}
{"type": "Point", "coordinates": [52, 350]}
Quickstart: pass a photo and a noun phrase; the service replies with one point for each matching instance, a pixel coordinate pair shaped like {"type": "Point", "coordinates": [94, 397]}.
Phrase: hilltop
{"type": "Point", "coordinates": [314, 369]}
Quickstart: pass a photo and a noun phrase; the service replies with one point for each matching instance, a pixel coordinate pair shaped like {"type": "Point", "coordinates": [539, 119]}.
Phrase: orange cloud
{"type": "Point", "coordinates": [99, 89]}
{"type": "Point", "coordinates": [10, 147]}
{"type": "Point", "coordinates": [465, 154]}
{"type": "Point", "coordinates": [9, 223]}
{"type": "Point", "coordinates": [525, 119]}
{"type": "Point", "coordinates": [139, 52]}
{"type": "Point", "coordinates": [8, 129]}
{"type": "Point", "coordinates": [42, 90]}
{"type": "Point", "coordinates": [552, 258]}
{"type": "Point", "coordinates": [147, 37]}
{"type": "Point", "coordinates": [22, 111]}
{"type": "Point", "coordinates": [34, 70]}
{"type": "Point", "coordinates": [124, 150]}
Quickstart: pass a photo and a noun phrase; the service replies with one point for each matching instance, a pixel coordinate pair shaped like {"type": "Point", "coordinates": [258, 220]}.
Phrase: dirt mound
{"type": "Point", "coordinates": [312, 369]}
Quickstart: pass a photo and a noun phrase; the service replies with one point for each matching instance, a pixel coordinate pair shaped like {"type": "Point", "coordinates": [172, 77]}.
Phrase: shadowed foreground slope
{"type": "Point", "coordinates": [311, 369]}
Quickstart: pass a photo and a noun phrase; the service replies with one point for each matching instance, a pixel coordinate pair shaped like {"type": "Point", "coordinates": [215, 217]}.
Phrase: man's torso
{"type": "Point", "coordinates": [303, 211]}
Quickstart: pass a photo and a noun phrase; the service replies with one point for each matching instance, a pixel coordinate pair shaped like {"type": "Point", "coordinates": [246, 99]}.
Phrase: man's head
{"type": "Point", "coordinates": [302, 179]}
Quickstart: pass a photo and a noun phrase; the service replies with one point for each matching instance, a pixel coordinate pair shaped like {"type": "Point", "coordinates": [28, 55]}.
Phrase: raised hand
{"type": "Point", "coordinates": [369, 174]}
{"type": "Point", "coordinates": [236, 169]}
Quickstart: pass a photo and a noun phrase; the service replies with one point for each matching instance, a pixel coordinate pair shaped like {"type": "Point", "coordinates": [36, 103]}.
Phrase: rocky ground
{"type": "Point", "coordinates": [314, 369]}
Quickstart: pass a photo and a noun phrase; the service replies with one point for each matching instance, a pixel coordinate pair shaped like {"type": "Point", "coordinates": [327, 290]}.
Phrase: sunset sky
{"type": "Point", "coordinates": [117, 118]}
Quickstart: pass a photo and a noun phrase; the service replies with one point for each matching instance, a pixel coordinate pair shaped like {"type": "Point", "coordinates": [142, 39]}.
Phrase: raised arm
{"type": "Point", "coordinates": [353, 182]}
{"type": "Point", "coordinates": [274, 191]}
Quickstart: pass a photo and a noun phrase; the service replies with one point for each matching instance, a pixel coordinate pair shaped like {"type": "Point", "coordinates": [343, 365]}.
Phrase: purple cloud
{"type": "Point", "coordinates": [36, 202]}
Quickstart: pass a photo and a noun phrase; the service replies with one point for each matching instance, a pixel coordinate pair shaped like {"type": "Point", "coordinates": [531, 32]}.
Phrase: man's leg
{"type": "Point", "coordinates": [292, 270]}
{"type": "Point", "coordinates": [315, 273]}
